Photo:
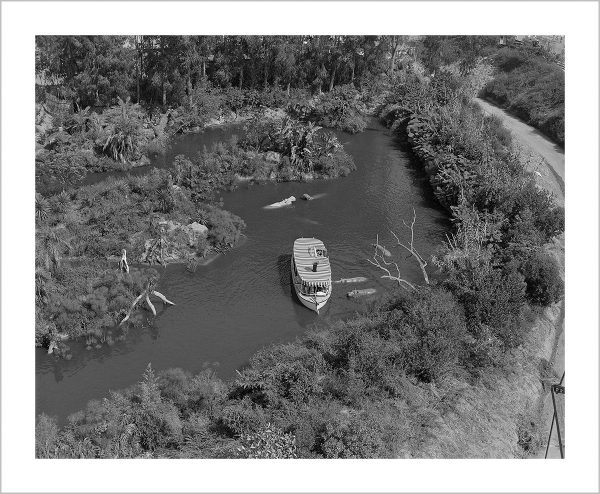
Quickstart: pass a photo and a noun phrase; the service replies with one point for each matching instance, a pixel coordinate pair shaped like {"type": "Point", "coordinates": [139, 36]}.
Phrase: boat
{"type": "Point", "coordinates": [311, 273]}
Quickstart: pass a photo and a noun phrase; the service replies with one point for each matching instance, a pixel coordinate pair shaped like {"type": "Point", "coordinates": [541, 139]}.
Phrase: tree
{"type": "Point", "coordinates": [543, 277]}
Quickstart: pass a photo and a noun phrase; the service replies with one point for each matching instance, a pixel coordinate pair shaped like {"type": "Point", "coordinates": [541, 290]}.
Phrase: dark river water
{"type": "Point", "coordinates": [244, 300]}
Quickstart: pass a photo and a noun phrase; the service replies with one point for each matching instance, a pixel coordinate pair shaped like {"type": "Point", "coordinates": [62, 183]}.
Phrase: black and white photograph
{"type": "Point", "coordinates": [300, 245]}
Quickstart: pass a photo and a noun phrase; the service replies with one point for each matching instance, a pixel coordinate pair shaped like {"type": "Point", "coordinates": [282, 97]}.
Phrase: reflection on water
{"type": "Point", "coordinates": [244, 300]}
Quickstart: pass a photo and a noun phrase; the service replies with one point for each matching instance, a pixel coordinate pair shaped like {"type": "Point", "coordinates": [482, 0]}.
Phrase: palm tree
{"type": "Point", "coordinates": [42, 208]}
{"type": "Point", "coordinates": [51, 243]}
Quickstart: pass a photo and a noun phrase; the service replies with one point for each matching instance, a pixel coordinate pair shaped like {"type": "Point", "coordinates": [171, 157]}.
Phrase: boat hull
{"type": "Point", "coordinates": [314, 302]}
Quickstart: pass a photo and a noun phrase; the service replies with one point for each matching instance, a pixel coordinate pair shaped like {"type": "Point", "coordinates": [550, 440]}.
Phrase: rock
{"type": "Point", "coordinates": [195, 230]}
{"type": "Point", "coordinates": [273, 157]}
{"type": "Point", "coordinates": [169, 225]}
{"type": "Point", "coordinates": [195, 130]}
{"type": "Point", "coordinates": [306, 197]}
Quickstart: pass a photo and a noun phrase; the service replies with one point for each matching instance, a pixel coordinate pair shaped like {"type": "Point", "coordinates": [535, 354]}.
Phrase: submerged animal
{"type": "Point", "coordinates": [280, 204]}
{"type": "Point", "coordinates": [361, 293]}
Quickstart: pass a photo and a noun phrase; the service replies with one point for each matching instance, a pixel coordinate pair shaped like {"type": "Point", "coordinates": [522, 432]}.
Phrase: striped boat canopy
{"type": "Point", "coordinates": [307, 252]}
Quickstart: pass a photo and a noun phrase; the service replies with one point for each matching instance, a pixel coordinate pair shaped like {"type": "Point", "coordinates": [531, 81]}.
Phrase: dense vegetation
{"type": "Point", "coordinates": [80, 234]}
{"type": "Point", "coordinates": [170, 70]}
{"type": "Point", "coordinates": [382, 384]}
{"type": "Point", "coordinates": [532, 88]}
{"type": "Point", "coordinates": [71, 144]}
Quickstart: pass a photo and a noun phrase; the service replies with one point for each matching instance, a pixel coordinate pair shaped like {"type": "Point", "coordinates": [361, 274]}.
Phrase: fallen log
{"type": "Point", "coordinates": [357, 279]}
{"type": "Point", "coordinates": [361, 293]}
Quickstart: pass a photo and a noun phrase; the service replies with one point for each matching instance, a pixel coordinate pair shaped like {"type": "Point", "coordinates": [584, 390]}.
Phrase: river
{"type": "Point", "coordinates": [243, 301]}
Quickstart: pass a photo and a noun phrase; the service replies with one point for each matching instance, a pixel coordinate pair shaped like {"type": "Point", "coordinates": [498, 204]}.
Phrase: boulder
{"type": "Point", "coordinates": [169, 225]}
{"type": "Point", "coordinates": [273, 157]}
{"type": "Point", "coordinates": [195, 230]}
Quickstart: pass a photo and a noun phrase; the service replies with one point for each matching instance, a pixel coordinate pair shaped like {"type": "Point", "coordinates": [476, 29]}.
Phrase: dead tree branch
{"type": "Point", "coordinates": [379, 261]}
{"type": "Point", "coordinates": [146, 294]}
{"type": "Point", "coordinates": [123, 265]}
{"type": "Point", "coordinates": [411, 247]}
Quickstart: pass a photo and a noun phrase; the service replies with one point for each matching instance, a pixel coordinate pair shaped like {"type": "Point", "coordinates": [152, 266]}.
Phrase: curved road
{"type": "Point", "coordinates": [552, 171]}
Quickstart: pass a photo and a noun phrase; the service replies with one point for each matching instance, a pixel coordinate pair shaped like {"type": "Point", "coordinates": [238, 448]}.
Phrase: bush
{"type": "Point", "coordinates": [268, 442]}
{"type": "Point", "coordinates": [224, 228]}
{"type": "Point", "coordinates": [428, 331]}
{"type": "Point", "coordinates": [351, 438]}
{"type": "Point", "coordinates": [340, 108]}
{"type": "Point", "coordinates": [543, 277]}
{"type": "Point", "coordinates": [531, 87]}
{"type": "Point", "coordinates": [492, 297]}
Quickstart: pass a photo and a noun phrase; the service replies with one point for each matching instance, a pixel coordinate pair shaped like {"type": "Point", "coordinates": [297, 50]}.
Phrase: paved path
{"type": "Point", "coordinates": [535, 141]}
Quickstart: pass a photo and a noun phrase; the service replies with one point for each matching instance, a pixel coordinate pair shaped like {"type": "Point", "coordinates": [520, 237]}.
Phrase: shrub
{"type": "Point", "coordinates": [428, 332]}
{"type": "Point", "coordinates": [357, 437]}
{"type": "Point", "coordinates": [224, 228]}
{"type": "Point", "coordinates": [543, 277]}
{"type": "Point", "coordinates": [340, 108]}
{"type": "Point", "coordinates": [268, 442]}
{"type": "Point", "coordinates": [492, 297]}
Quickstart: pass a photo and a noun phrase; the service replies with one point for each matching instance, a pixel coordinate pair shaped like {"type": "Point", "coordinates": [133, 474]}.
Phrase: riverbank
{"type": "Point", "coordinates": [549, 346]}
{"type": "Point", "coordinates": [507, 410]}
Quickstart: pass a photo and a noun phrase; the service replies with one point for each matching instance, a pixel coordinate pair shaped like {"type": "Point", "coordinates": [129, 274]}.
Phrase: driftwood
{"type": "Point", "coordinates": [123, 265]}
{"type": "Point", "coordinates": [379, 261]}
{"type": "Point", "coordinates": [358, 279]}
{"type": "Point", "coordinates": [381, 252]}
{"type": "Point", "coordinates": [411, 248]}
{"type": "Point", "coordinates": [149, 290]}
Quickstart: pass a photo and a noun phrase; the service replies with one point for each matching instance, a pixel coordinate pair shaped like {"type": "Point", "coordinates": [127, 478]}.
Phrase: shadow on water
{"type": "Point", "coordinates": [285, 276]}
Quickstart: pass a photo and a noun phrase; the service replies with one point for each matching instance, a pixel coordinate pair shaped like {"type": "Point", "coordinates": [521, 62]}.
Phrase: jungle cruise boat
{"type": "Point", "coordinates": [311, 273]}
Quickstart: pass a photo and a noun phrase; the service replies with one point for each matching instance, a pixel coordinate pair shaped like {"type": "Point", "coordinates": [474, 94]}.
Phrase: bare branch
{"type": "Point", "coordinates": [162, 297]}
{"type": "Point", "coordinates": [132, 307]}
{"type": "Point", "coordinates": [150, 305]}
{"type": "Point", "coordinates": [379, 261]}
{"type": "Point", "coordinates": [422, 262]}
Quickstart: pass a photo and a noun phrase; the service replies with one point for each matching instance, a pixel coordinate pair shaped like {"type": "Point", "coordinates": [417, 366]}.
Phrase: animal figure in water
{"type": "Point", "coordinates": [361, 293]}
{"type": "Point", "coordinates": [382, 249]}
{"type": "Point", "coordinates": [280, 204]}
